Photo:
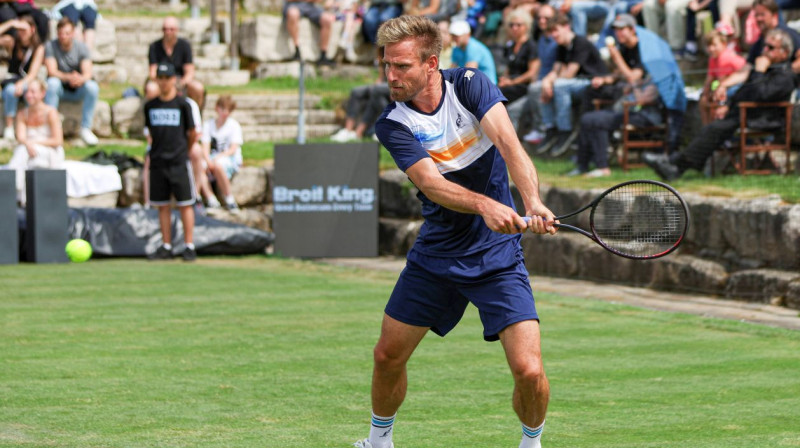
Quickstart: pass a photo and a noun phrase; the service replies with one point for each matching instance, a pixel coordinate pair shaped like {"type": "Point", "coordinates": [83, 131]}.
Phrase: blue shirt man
{"type": "Point", "coordinates": [469, 52]}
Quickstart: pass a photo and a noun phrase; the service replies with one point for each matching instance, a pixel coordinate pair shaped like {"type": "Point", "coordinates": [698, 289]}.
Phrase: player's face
{"type": "Point", "coordinates": [406, 74]}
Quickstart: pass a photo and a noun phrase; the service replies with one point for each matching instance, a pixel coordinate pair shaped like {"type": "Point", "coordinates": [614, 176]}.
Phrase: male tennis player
{"type": "Point", "coordinates": [450, 133]}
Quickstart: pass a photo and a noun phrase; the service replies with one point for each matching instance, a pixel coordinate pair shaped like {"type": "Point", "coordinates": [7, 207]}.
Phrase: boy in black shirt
{"type": "Point", "coordinates": [577, 62]}
{"type": "Point", "coordinates": [168, 119]}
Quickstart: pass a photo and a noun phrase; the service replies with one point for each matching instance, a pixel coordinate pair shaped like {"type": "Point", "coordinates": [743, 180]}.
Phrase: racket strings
{"type": "Point", "coordinates": [639, 220]}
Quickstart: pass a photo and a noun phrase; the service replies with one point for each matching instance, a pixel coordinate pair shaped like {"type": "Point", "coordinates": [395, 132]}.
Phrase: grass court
{"type": "Point", "coordinates": [269, 352]}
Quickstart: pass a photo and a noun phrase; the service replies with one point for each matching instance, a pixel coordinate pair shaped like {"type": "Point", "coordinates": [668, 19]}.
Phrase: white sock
{"type": "Point", "coordinates": [531, 437]}
{"type": "Point", "coordinates": [167, 246]}
{"type": "Point", "coordinates": [380, 431]}
{"type": "Point", "coordinates": [190, 246]}
{"type": "Point", "coordinates": [229, 199]}
{"type": "Point", "coordinates": [213, 202]}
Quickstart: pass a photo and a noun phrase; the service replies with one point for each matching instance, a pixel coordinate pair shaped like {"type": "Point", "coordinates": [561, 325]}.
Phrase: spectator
{"type": "Point", "coordinates": [222, 152]}
{"type": "Point", "coordinates": [695, 6]}
{"type": "Point", "coordinates": [633, 69]}
{"type": "Point", "coordinates": [69, 71]}
{"type": "Point", "coordinates": [520, 55]}
{"type": "Point", "coordinates": [293, 11]}
{"type": "Point", "coordinates": [723, 61]}
{"type": "Point", "coordinates": [349, 12]}
{"type": "Point", "coordinates": [178, 52]}
{"type": "Point", "coordinates": [436, 10]}
{"type": "Point", "coordinates": [577, 61]}
{"type": "Point", "coordinates": [79, 11]}
{"type": "Point", "coordinates": [379, 11]}
{"type": "Point", "coordinates": [470, 52]}
{"type": "Point", "coordinates": [672, 13]}
{"type": "Point", "coordinates": [16, 9]}
{"type": "Point", "coordinates": [39, 136]}
{"type": "Point", "coordinates": [26, 57]}
{"type": "Point", "coordinates": [525, 111]}
{"type": "Point", "coordinates": [365, 105]}
{"type": "Point", "coordinates": [767, 17]}
{"type": "Point", "coordinates": [770, 80]}
{"type": "Point", "coordinates": [581, 11]}
{"type": "Point", "coordinates": [168, 119]}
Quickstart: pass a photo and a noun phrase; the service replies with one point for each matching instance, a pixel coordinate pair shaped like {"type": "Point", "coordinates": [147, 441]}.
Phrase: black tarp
{"type": "Point", "coordinates": [134, 232]}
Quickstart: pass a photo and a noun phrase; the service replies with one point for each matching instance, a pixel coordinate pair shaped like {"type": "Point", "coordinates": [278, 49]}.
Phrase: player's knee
{"type": "Point", "coordinates": [387, 359]}
{"type": "Point", "coordinates": [528, 372]}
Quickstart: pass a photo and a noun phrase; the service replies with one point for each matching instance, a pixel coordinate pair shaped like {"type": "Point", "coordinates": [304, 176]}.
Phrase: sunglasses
{"type": "Point", "coordinates": [168, 29]}
{"type": "Point", "coordinates": [515, 25]}
{"type": "Point", "coordinates": [770, 47]}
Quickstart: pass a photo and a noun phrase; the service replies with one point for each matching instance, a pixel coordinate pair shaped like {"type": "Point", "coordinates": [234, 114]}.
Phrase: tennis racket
{"type": "Point", "coordinates": [639, 219]}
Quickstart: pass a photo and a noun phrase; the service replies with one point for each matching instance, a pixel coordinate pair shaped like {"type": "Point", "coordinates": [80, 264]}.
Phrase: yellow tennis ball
{"type": "Point", "coordinates": [78, 250]}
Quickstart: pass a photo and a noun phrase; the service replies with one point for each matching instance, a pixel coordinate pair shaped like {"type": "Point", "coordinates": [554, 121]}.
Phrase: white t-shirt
{"type": "Point", "coordinates": [222, 138]}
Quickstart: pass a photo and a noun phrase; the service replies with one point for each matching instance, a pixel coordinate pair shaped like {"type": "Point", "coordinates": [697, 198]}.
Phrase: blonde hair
{"type": "Point", "coordinates": [713, 36]}
{"type": "Point", "coordinates": [521, 16]}
{"type": "Point", "coordinates": [424, 30]}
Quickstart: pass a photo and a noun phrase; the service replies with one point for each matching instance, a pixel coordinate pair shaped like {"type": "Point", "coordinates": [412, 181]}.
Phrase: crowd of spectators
{"type": "Point", "coordinates": [554, 60]}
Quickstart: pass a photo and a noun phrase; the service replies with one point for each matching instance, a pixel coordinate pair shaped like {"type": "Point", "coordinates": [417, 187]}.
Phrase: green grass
{"type": "Point", "coordinates": [255, 351]}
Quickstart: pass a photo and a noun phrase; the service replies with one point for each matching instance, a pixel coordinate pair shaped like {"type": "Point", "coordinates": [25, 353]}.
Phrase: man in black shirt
{"type": "Point", "coordinates": [631, 76]}
{"type": "Point", "coordinates": [169, 121]}
{"type": "Point", "coordinates": [178, 52]}
{"type": "Point", "coordinates": [771, 80]}
{"type": "Point", "coordinates": [577, 62]}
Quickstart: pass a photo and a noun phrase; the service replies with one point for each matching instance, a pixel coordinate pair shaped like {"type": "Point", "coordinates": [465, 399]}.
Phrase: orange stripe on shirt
{"type": "Point", "coordinates": [454, 150]}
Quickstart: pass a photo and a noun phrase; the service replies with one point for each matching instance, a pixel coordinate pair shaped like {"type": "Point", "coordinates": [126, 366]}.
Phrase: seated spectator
{"type": "Point", "coordinates": [520, 57]}
{"type": "Point", "coordinates": [723, 62]}
{"type": "Point", "coordinates": [767, 17]}
{"type": "Point", "coordinates": [26, 57]}
{"type": "Point", "coordinates": [222, 153]}
{"type": "Point", "coordinates": [293, 11]}
{"type": "Point", "coordinates": [39, 136]}
{"type": "Point", "coordinates": [470, 52]}
{"type": "Point", "coordinates": [525, 111]}
{"type": "Point", "coordinates": [577, 61]}
{"type": "Point", "coordinates": [672, 14]}
{"type": "Point", "coordinates": [695, 6]}
{"type": "Point", "coordinates": [79, 11]}
{"type": "Point", "coordinates": [770, 80]}
{"type": "Point", "coordinates": [641, 58]}
{"type": "Point", "coordinates": [178, 52]}
{"type": "Point", "coordinates": [69, 76]}
{"type": "Point", "coordinates": [631, 7]}
{"type": "Point", "coordinates": [16, 9]}
{"type": "Point", "coordinates": [364, 106]}
{"type": "Point", "coordinates": [378, 12]}
{"type": "Point", "coordinates": [349, 12]}
{"type": "Point", "coordinates": [436, 10]}
{"type": "Point", "coordinates": [581, 11]}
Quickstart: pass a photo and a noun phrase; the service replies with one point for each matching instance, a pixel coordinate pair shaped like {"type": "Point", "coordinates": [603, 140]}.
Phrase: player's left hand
{"type": "Point", "coordinates": [542, 220]}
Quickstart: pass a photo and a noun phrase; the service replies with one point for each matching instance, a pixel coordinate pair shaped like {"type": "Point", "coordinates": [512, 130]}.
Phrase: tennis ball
{"type": "Point", "coordinates": [78, 250]}
{"type": "Point", "coordinates": [610, 41]}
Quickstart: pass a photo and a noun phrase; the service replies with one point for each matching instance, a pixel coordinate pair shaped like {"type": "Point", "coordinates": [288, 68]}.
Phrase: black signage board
{"type": "Point", "coordinates": [325, 199]}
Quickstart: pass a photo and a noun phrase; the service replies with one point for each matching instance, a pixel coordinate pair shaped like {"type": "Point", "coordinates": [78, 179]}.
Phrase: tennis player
{"type": "Point", "coordinates": [450, 133]}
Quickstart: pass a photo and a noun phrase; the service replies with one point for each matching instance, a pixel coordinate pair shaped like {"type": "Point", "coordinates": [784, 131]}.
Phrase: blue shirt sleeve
{"type": "Point", "coordinates": [400, 142]}
{"type": "Point", "coordinates": [475, 91]}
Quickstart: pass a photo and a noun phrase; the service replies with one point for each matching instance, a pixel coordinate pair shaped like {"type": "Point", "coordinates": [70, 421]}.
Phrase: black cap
{"type": "Point", "coordinates": [165, 69]}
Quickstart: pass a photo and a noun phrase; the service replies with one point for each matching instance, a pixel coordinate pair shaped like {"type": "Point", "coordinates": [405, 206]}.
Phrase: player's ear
{"type": "Point", "coordinates": [433, 63]}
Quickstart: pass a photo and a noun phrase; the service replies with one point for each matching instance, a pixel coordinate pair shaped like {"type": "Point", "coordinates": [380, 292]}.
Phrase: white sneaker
{"type": "Point", "coordinates": [344, 135]}
{"type": "Point", "coordinates": [340, 135]}
{"type": "Point", "coordinates": [8, 133]}
{"type": "Point", "coordinates": [88, 136]}
{"type": "Point", "coordinates": [365, 444]}
{"type": "Point", "coordinates": [534, 136]}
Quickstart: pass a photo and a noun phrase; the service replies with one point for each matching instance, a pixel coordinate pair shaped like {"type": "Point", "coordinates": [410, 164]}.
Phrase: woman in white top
{"type": "Point", "coordinates": [39, 135]}
{"type": "Point", "coordinates": [222, 151]}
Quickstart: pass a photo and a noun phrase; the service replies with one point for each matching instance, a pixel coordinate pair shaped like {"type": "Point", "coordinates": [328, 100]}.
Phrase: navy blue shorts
{"type": "Point", "coordinates": [434, 291]}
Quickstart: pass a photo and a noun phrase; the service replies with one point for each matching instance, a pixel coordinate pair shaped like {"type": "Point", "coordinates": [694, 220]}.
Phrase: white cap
{"type": "Point", "coordinates": [459, 28]}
